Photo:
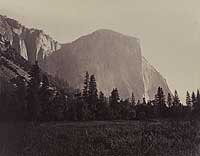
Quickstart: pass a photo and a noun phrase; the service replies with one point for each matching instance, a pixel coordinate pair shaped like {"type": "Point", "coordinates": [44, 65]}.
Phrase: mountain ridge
{"type": "Point", "coordinates": [104, 46]}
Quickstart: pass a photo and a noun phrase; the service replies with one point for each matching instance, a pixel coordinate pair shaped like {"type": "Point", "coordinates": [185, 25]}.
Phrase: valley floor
{"type": "Point", "coordinates": [101, 138]}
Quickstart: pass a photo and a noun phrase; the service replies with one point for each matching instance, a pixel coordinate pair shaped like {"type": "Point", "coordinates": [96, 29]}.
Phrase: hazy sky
{"type": "Point", "coordinates": [169, 30]}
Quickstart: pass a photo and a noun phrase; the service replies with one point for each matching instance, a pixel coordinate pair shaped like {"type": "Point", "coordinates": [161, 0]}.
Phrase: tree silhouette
{"type": "Point", "coordinates": [188, 100]}
{"type": "Point", "coordinates": [176, 101]}
{"type": "Point", "coordinates": [193, 100]}
{"type": "Point", "coordinates": [33, 104]}
{"type": "Point", "coordinates": [160, 102]}
{"type": "Point", "coordinates": [114, 103]}
{"type": "Point", "coordinates": [198, 101]}
{"type": "Point", "coordinates": [133, 99]}
{"type": "Point", "coordinates": [86, 87]}
{"type": "Point", "coordinates": [92, 97]}
{"type": "Point", "coordinates": [169, 100]}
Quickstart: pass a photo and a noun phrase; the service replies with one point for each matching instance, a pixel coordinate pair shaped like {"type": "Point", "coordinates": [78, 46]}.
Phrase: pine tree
{"type": "Point", "coordinates": [176, 108]}
{"type": "Point", "coordinates": [33, 105]}
{"type": "Point", "coordinates": [196, 103]}
{"type": "Point", "coordinates": [193, 100]}
{"type": "Point", "coordinates": [133, 100]}
{"type": "Point", "coordinates": [92, 97]}
{"type": "Point", "coordinates": [160, 102]}
{"type": "Point", "coordinates": [114, 104]}
{"type": "Point", "coordinates": [188, 100]}
{"type": "Point", "coordinates": [169, 100]}
{"type": "Point", "coordinates": [176, 101]}
{"type": "Point", "coordinates": [114, 98]}
{"type": "Point", "coordinates": [86, 87]}
{"type": "Point", "coordinates": [198, 100]}
{"type": "Point", "coordinates": [132, 107]}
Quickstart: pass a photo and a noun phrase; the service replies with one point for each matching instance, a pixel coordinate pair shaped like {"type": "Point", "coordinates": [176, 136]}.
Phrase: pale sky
{"type": "Point", "coordinates": [169, 30]}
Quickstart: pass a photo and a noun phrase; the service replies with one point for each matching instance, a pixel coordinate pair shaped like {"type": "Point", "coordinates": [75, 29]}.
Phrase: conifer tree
{"type": "Point", "coordinates": [132, 113]}
{"type": "Point", "coordinates": [176, 101]}
{"type": "Point", "coordinates": [33, 105]}
{"type": "Point", "coordinates": [198, 100]}
{"type": "Point", "coordinates": [92, 97]}
{"type": "Point", "coordinates": [133, 100]}
{"type": "Point", "coordinates": [196, 103]}
{"type": "Point", "coordinates": [176, 108]}
{"type": "Point", "coordinates": [86, 87]}
{"type": "Point", "coordinates": [160, 102]}
{"type": "Point", "coordinates": [193, 100]}
{"type": "Point", "coordinates": [114, 103]}
{"type": "Point", "coordinates": [169, 100]}
{"type": "Point", "coordinates": [188, 100]}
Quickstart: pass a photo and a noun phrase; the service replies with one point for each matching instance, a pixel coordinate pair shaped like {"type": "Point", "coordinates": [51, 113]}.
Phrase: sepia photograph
{"type": "Point", "coordinates": [99, 78]}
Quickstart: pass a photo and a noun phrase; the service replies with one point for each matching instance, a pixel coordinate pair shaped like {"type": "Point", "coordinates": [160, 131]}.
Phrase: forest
{"type": "Point", "coordinates": [40, 100]}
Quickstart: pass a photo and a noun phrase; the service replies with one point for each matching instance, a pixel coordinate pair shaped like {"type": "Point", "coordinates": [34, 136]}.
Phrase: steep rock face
{"type": "Point", "coordinates": [152, 79]}
{"type": "Point", "coordinates": [115, 59]}
{"type": "Point", "coordinates": [32, 44]}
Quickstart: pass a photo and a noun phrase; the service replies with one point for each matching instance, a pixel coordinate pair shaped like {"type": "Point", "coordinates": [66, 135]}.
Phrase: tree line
{"type": "Point", "coordinates": [38, 100]}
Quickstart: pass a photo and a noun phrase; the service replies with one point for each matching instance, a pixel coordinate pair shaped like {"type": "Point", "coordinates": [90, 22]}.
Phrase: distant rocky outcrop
{"type": "Point", "coordinates": [32, 44]}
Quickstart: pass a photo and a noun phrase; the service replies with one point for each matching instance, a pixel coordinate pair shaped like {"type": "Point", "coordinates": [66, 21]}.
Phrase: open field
{"type": "Point", "coordinates": [120, 138]}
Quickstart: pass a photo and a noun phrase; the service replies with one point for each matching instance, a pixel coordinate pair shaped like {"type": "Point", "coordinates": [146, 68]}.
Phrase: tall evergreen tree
{"type": "Point", "coordinates": [33, 105]}
{"type": "Point", "coordinates": [196, 103]}
{"type": "Point", "coordinates": [86, 87]}
{"type": "Point", "coordinates": [198, 100]}
{"type": "Point", "coordinates": [169, 100]}
{"type": "Point", "coordinates": [198, 95]}
{"type": "Point", "coordinates": [177, 107]}
{"type": "Point", "coordinates": [176, 101]}
{"type": "Point", "coordinates": [114, 104]}
{"type": "Point", "coordinates": [92, 97]}
{"type": "Point", "coordinates": [188, 100]}
{"type": "Point", "coordinates": [160, 102]}
{"type": "Point", "coordinates": [193, 100]}
{"type": "Point", "coordinates": [133, 100]}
